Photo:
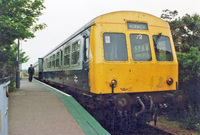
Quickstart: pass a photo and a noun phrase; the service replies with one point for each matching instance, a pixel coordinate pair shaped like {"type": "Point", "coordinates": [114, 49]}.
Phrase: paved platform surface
{"type": "Point", "coordinates": [33, 110]}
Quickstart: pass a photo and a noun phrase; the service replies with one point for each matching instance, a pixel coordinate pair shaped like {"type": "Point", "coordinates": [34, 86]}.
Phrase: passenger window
{"type": "Point", "coordinates": [67, 56]}
{"type": "Point", "coordinates": [75, 52]}
{"type": "Point", "coordinates": [53, 61]}
{"type": "Point", "coordinates": [61, 57]}
{"type": "Point", "coordinates": [115, 48]}
{"type": "Point", "coordinates": [140, 47]}
{"type": "Point", "coordinates": [162, 48]}
{"type": "Point", "coordinates": [45, 64]}
{"type": "Point", "coordinates": [57, 59]}
{"type": "Point", "coordinates": [50, 62]}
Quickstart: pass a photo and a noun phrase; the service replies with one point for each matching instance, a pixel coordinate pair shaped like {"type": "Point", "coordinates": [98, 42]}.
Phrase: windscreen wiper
{"type": "Point", "coordinates": [158, 37]}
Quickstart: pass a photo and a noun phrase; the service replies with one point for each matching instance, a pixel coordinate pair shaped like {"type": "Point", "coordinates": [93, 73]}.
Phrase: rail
{"type": "Point", "coordinates": [4, 105]}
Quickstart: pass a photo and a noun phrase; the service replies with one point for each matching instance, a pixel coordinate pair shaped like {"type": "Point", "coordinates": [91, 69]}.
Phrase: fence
{"type": "Point", "coordinates": [4, 106]}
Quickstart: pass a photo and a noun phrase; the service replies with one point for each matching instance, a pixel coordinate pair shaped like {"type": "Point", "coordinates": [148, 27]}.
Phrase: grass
{"type": "Point", "coordinates": [174, 127]}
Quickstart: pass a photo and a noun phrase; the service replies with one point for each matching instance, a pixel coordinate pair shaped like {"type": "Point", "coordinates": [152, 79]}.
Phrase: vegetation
{"type": "Point", "coordinates": [185, 30]}
{"type": "Point", "coordinates": [186, 35]}
{"type": "Point", "coordinates": [17, 21]}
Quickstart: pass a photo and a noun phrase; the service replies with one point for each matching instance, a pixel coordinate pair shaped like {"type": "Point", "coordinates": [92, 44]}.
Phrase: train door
{"type": "Point", "coordinates": [61, 66]}
{"type": "Point", "coordinates": [86, 43]}
{"type": "Point", "coordinates": [142, 65]}
{"type": "Point", "coordinates": [150, 73]}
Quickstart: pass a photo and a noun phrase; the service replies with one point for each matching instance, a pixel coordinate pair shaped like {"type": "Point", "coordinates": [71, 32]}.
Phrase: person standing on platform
{"type": "Point", "coordinates": [31, 72]}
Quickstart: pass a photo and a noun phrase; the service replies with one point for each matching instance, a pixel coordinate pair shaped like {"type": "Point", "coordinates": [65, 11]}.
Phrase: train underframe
{"type": "Point", "coordinates": [124, 112]}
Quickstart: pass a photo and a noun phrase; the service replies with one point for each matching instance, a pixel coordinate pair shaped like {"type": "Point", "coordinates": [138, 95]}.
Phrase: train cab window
{"type": "Point", "coordinates": [140, 47]}
{"type": "Point", "coordinates": [162, 48]}
{"type": "Point", "coordinates": [115, 48]}
{"type": "Point", "coordinates": [75, 53]}
{"type": "Point", "coordinates": [57, 59]}
{"type": "Point", "coordinates": [67, 56]}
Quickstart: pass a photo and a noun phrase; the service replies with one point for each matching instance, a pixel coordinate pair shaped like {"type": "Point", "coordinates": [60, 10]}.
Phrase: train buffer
{"type": "Point", "coordinates": [37, 109]}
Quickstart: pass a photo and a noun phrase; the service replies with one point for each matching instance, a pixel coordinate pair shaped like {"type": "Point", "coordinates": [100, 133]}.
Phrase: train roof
{"type": "Point", "coordinates": [73, 35]}
{"type": "Point", "coordinates": [105, 18]}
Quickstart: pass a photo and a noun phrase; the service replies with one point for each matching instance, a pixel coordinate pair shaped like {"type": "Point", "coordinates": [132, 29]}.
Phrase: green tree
{"type": "Point", "coordinates": [189, 76]}
{"type": "Point", "coordinates": [18, 20]}
{"type": "Point", "coordinates": [185, 30]}
{"type": "Point", "coordinates": [186, 35]}
{"type": "Point", "coordinates": [191, 35]}
{"type": "Point", "coordinates": [189, 66]}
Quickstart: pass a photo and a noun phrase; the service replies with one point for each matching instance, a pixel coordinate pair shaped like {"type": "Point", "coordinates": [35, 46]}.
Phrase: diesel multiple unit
{"type": "Point", "coordinates": [123, 65]}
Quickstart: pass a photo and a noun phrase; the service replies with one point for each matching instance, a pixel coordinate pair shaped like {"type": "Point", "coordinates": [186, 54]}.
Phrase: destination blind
{"type": "Point", "coordinates": [137, 26]}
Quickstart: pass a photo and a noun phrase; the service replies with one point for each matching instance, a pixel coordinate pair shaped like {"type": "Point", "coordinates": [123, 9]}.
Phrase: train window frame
{"type": "Point", "coordinates": [74, 52]}
{"type": "Point", "coordinates": [67, 53]}
{"type": "Point", "coordinates": [140, 49]}
{"type": "Point", "coordinates": [160, 54]}
{"type": "Point", "coordinates": [107, 41]}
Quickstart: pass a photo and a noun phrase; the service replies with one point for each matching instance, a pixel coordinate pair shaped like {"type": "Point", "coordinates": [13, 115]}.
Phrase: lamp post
{"type": "Point", "coordinates": [18, 71]}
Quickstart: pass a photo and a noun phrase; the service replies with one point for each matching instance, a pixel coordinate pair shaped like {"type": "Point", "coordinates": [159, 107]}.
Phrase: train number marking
{"type": "Point", "coordinates": [75, 79]}
{"type": "Point", "coordinates": [139, 37]}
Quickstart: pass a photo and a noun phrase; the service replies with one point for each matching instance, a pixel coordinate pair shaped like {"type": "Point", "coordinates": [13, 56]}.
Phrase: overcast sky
{"type": "Point", "coordinates": [64, 17]}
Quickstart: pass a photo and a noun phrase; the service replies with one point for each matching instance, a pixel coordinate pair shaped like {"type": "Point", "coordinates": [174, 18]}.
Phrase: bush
{"type": "Point", "coordinates": [189, 68]}
{"type": "Point", "coordinates": [189, 82]}
{"type": "Point", "coordinates": [191, 120]}
{"type": "Point", "coordinates": [189, 76]}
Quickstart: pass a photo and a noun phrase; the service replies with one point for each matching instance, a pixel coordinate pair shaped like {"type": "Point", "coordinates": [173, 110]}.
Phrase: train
{"type": "Point", "coordinates": [121, 65]}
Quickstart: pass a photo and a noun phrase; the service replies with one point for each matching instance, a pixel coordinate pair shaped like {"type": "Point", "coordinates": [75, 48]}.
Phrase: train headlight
{"type": "Point", "coordinates": [170, 81]}
{"type": "Point", "coordinates": [113, 83]}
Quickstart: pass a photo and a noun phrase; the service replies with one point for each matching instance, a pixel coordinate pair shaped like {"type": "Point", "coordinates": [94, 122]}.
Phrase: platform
{"type": "Point", "coordinates": [37, 109]}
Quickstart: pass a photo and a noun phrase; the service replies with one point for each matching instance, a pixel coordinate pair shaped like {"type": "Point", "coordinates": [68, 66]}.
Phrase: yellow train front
{"type": "Point", "coordinates": [134, 50]}
{"type": "Point", "coordinates": [122, 65]}
{"type": "Point", "coordinates": [133, 60]}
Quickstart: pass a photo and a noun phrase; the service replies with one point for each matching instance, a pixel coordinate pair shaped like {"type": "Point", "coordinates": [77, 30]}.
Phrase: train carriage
{"type": "Point", "coordinates": [124, 59]}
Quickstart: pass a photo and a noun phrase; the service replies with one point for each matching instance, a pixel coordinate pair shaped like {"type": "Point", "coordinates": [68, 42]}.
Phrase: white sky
{"type": "Point", "coordinates": [64, 17]}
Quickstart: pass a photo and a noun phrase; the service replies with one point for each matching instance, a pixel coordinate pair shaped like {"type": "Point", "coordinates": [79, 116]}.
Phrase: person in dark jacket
{"type": "Point", "coordinates": [31, 72]}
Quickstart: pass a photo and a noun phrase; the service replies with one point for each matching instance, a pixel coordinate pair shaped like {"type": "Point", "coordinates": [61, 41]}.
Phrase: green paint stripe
{"type": "Point", "coordinates": [89, 125]}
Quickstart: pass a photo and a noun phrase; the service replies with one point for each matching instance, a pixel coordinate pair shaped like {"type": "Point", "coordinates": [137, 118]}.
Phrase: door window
{"type": "Point", "coordinates": [140, 47]}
